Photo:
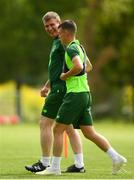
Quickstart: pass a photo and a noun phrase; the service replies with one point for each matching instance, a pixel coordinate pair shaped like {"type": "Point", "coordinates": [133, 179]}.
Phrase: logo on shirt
{"type": "Point", "coordinates": [44, 110]}
{"type": "Point", "coordinates": [89, 110]}
{"type": "Point", "coordinates": [57, 117]}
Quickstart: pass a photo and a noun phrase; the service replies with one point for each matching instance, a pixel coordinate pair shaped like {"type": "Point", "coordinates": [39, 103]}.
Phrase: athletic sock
{"type": "Point", "coordinates": [56, 163]}
{"type": "Point", "coordinates": [112, 153]}
{"type": "Point", "coordinates": [79, 160]}
{"type": "Point", "coordinates": [45, 160]}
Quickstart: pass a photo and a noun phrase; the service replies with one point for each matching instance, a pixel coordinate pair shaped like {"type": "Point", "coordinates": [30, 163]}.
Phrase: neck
{"type": "Point", "coordinates": [70, 40]}
{"type": "Point", "coordinates": [56, 36]}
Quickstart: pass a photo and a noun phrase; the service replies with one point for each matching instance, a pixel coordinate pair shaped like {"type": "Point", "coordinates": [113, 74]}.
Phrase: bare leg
{"type": "Point", "coordinates": [74, 136]}
{"type": "Point", "coordinates": [58, 139]}
{"type": "Point", "coordinates": [46, 140]}
{"type": "Point", "coordinates": [46, 135]}
{"type": "Point", "coordinates": [90, 133]}
{"type": "Point", "coordinates": [117, 160]}
{"type": "Point", "coordinates": [46, 126]}
{"type": "Point", "coordinates": [57, 151]}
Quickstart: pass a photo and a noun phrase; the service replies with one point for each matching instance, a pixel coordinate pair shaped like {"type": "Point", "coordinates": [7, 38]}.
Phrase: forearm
{"type": "Point", "coordinates": [72, 72]}
{"type": "Point", "coordinates": [76, 69]}
{"type": "Point", "coordinates": [88, 65]}
{"type": "Point", "coordinates": [47, 84]}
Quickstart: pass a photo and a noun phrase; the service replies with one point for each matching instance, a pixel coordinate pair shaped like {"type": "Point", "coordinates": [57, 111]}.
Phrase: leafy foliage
{"type": "Point", "coordinates": [105, 28]}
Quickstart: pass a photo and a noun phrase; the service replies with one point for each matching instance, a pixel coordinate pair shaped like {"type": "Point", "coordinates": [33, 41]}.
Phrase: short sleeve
{"type": "Point", "coordinates": [72, 51]}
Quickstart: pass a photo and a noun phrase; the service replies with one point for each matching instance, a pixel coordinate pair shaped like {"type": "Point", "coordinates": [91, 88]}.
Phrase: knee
{"type": "Point", "coordinates": [89, 135]}
{"type": "Point", "coordinates": [45, 123]}
{"type": "Point", "coordinates": [58, 130]}
{"type": "Point", "coordinates": [69, 131]}
{"type": "Point", "coordinates": [86, 135]}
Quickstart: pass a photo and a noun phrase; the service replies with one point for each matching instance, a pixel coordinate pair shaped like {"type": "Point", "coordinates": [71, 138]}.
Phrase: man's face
{"type": "Point", "coordinates": [51, 27]}
{"type": "Point", "coordinates": [63, 35]}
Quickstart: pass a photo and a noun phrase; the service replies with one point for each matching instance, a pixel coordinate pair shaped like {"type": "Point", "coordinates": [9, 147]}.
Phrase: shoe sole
{"type": "Point", "coordinates": [28, 169]}
{"type": "Point", "coordinates": [74, 171]}
{"type": "Point", "coordinates": [49, 174]}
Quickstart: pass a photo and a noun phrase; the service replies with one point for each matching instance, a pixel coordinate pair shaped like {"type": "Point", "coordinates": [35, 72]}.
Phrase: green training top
{"type": "Point", "coordinates": [56, 62]}
{"type": "Point", "coordinates": [75, 83]}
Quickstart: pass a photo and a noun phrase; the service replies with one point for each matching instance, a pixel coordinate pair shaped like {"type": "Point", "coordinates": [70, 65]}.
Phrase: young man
{"type": "Point", "coordinates": [57, 88]}
{"type": "Point", "coordinates": [76, 106]}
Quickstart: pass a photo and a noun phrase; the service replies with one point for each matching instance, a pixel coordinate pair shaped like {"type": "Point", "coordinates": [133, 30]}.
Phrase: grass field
{"type": "Point", "coordinates": [19, 146]}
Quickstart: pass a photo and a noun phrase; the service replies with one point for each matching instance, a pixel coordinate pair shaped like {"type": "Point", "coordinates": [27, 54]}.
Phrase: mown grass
{"type": "Point", "coordinates": [19, 146]}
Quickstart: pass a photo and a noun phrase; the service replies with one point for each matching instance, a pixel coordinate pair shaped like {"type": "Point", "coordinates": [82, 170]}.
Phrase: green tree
{"type": "Point", "coordinates": [108, 37]}
{"type": "Point", "coordinates": [24, 49]}
{"type": "Point", "coordinates": [22, 53]}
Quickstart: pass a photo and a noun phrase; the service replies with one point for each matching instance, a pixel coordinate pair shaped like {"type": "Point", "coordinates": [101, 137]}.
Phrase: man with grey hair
{"type": "Point", "coordinates": [54, 91]}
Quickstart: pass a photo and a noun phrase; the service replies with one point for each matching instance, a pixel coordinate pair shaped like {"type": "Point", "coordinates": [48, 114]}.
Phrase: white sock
{"type": "Point", "coordinates": [45, 160]}
{"type": "Point", "coordinates": [56, 162]}
{"type": "Point", "coordinates": [112, 153]}
{"type": "Point", "coordinates": [79, 160]}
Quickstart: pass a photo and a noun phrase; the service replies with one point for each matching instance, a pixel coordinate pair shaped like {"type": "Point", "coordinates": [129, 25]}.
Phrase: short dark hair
{"type": "Point", "coordinates": [69, 25]}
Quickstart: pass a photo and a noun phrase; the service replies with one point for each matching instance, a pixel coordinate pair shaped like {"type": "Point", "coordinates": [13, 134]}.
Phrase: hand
{"type": "Point", "coordinates": [63, 76]}
{"type": "Point", "coordinates": [44, 91]}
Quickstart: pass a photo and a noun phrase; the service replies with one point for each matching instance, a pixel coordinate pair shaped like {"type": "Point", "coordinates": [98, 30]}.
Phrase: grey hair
{"type": "Point", "coordinates": [51, 15]}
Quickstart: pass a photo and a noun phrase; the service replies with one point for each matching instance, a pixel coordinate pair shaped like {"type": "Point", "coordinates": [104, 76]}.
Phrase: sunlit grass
{"type": "Point", "coordinates": [19, 146]}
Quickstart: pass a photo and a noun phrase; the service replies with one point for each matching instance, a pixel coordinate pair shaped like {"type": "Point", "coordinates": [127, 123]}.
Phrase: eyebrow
{"type": "Point", "coordinates": [49, 24]}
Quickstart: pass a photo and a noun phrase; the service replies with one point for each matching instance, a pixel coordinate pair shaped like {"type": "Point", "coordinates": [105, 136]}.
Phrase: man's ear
{"type": "Point", "coordinates": [66, 32]}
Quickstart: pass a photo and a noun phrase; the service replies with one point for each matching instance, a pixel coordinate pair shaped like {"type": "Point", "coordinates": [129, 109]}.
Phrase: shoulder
{"type": "Point", "coordinates": [72, 47]}
{"type": "Point", "coordinates": [57, 44]}
{"type": "Point", "coordinates": [72, 50]}
{"type": "Point", "coordinates": [57, 41]}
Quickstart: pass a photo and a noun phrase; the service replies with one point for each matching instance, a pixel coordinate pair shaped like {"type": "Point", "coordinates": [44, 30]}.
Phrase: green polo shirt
{"type": "Point", "coordinates": [56, 62]}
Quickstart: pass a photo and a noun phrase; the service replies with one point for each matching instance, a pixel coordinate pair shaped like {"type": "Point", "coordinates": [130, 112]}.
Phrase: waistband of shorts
{"type": "Point", "coordinates": [58, 82]}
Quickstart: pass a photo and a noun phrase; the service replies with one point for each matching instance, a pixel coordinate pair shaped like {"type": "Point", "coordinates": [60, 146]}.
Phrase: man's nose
{"type": "Point", "coordinates": [49, 27]}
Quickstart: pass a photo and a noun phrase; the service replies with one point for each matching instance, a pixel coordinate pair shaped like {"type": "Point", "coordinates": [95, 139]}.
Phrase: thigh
{"type": "Point", "coordinates": [70, 130]}
{"type": "Point", "coordinates": [60, 128]}
{"type": "Point", "coordinates": [88, 130]}
{"type": "Point", "coordinates": [46, 122]}
{"type": "Point", "coordinates": [71, 108]}
{"type": "Point", "coordinates": [86, 116]}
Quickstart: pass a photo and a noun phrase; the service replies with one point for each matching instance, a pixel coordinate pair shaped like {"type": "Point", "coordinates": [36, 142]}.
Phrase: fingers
{"type": "Point", "coordinates": [44, 92]}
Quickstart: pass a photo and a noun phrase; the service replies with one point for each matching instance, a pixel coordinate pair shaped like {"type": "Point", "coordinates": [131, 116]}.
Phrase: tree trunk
{"type": "Point", "coordinates": [132, 103]}
{"type": "Point", "coordinates": [18, 99]}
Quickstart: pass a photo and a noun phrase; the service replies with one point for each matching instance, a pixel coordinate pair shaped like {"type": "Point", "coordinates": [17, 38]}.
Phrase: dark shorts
{"type": "Point", "coordinates": [76, 109]}
{"type": "Point", "coordinates": [53, 101]}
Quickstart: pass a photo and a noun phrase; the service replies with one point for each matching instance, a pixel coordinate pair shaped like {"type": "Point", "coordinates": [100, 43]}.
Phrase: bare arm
{"type": "Point", "coordinates": [88, 65]}
{"type": "Point", "coordinates": [76, 69]}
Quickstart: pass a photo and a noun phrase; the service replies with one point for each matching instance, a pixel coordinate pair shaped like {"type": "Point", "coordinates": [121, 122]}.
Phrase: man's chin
{"type": "Point", "coordinates": [53, 35]}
